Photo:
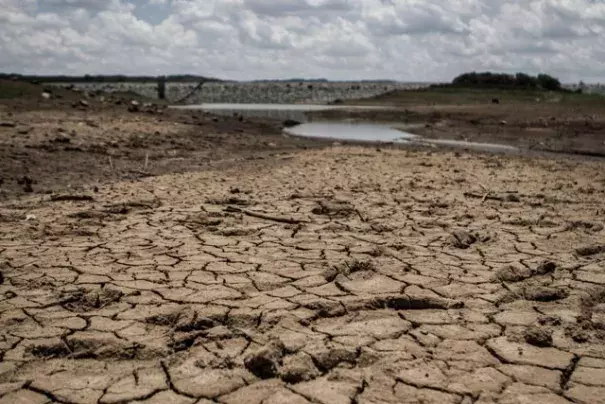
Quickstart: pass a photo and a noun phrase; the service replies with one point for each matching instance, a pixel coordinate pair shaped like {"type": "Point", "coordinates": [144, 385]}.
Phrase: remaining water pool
{"type": "Point", "coordinates": [365, 132]}
{"type": "Point", "coordinates": [344, 131]}
{"type": "Point", "coordinates": [381, 133]}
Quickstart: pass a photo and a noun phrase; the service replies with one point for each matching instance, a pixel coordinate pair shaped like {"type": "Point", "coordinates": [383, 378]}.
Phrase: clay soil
{"type": "Point", "coordinates": [77, 141]}
{"type": "Point", "coordinates": [257, 272]}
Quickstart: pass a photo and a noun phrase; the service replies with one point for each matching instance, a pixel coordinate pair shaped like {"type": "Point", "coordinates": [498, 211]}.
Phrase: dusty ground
{"type": "Point", "coordinates": [346, 275]}
{"type": "Point", "coordinates": [73, 140]}
{"type": "Point", "coordinates": [161, 256]}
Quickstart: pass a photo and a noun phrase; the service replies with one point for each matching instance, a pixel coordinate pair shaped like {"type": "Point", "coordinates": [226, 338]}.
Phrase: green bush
{"type": "Point", "coordinates": [549, 83]}
{"type": "Point", "coordinates": [503, 80]}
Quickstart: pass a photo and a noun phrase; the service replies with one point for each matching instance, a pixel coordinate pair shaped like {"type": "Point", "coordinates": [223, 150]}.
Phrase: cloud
{"type": "Point", "coordinates": [58, 6]}
{"type": "Point", "coordinates": [297, 7]}
{"type": "Point", "coordinates": [407, 40]}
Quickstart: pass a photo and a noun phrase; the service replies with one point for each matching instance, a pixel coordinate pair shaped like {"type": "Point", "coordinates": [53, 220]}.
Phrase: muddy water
{"type": "Point", "coordinates": [366, 132]}
{"type": "Point", "coordinates": [382, 133]}
{"type": "Point", "coordinates": [347, 131]}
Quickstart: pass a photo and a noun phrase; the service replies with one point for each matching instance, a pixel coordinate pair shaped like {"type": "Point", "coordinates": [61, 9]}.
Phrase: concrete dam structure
{"type": "Point", "coordinates": [252, 92]}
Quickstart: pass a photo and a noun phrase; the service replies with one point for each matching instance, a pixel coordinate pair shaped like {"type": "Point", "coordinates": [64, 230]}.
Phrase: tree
{"type": "Point", "coordinates": [549, 83]}
{"type": "Point", "coordinates": [525, 80]}
{"type": "Point", "coordinates": [503, 80]}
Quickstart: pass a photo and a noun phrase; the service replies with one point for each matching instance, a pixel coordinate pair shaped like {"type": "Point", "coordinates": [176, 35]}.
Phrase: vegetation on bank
{"type": "Point", "coordinates": [485, 88]}
{"type": "Point", "coordinates": [105, 78]}
{"type": "Point", "coordinates": [519, 81]}
{"type": "Point", "coordinates": [454, 95]}
{"type": "Point", "coordinates": [10, 89]}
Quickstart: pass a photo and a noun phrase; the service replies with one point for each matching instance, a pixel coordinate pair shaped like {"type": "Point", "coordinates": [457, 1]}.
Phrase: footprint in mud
{"type": "Point", "coordinates": [232, 200]}
{"type": "Point", "coordinates": [298, 368]}
{"type": "Point", "coordinates": [510, 273]}
{"type": "Point", "coordinates": [94, 345]}
{"type": "Point", "coordinates": [27, 183]}
{"type": "Point", "coordinates": [340, 209]}
{"type": "Point", "coordinates": [265, 362]}
{"type": "Point", "coordinates": [538, 337]}
{"type": "Point", "coordinates": [348, 268]}
{"type": "Point", "coordinates": [544, 294]}
{"type": "Point", "coordinates": [590, 325]}
{"type": "Point", "coordinates": [82, 300]}
{"type": "Point", "coordinates": [590, 250]}
{"type": "Point", "coordinates": [463, 239]}
{"type": "Point", "coordinates": [123, 208]}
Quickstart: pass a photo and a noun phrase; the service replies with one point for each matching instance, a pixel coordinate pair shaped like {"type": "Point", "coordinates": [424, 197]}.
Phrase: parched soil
{"type": "Point", "coordinates": [76, 141]}
{"type": "Point", "coordinates": [162, 256]}
{"type": "Point", "coordinates": [344, 275]}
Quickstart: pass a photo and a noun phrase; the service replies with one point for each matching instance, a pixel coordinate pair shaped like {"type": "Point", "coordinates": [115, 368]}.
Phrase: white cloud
{"type": "Point", "coordinates": [339, 39]}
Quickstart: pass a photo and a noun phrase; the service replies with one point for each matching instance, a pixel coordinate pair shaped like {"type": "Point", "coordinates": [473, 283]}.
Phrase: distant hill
{"type": "Point", "coordinates": [105, 78]}
{"type": "Point", "coordinates": [321, 80]}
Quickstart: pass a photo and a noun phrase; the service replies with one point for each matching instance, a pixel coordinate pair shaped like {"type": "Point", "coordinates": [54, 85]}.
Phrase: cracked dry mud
{"type": "Point", "coordinates": [347, 275]}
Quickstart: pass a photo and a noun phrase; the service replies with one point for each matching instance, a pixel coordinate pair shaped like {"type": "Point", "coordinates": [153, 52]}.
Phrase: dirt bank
{"type": "Point", "coordinates": [71, 140]}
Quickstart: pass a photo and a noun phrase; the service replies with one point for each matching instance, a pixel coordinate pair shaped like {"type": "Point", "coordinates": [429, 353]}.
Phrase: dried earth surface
{"type": "Point", "coordinates": [74, 140]}
{"type": "Point", "coordinates": [348, 275]}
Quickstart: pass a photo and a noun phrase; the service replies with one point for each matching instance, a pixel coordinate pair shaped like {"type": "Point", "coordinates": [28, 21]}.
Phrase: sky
{"type": "Point", "coordinates": [406, 40]}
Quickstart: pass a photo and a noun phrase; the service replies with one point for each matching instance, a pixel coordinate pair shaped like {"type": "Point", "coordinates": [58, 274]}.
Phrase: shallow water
{"type": "Point", "coordinates": [365, 132]}
{"type": "Point", "coordinates": [346, 131]}
{"type": "Point", "coordinates": [383, 133]}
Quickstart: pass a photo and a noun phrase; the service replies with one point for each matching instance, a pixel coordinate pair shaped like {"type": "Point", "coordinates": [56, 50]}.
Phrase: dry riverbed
{"type": "Point", "coordinates": [157, 256]}
{"type": "Point", "coordinates": [345, 275]}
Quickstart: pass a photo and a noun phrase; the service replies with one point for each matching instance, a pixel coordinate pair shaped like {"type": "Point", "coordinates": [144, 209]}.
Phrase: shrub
{"type": "Point", "coordinates": [503, 80]}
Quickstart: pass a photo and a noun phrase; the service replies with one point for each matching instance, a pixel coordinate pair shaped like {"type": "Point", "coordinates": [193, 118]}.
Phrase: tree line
{"type": "Point", "coordinates": [118, 78]}
{"type": "Point", "coordinates": [503, 80]}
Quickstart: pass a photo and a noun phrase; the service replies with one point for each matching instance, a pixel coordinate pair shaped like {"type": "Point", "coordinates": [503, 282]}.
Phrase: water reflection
{"type": "Point", "coordinates": [345, 131]}
{"type": "Point", "coordinates": [366, 132]}
{"type": "Point", "coordinates": [381, 133]}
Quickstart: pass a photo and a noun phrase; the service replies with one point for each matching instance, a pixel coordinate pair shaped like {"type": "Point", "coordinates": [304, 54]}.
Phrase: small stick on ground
{"type": "Point", "coordinates": [264, 216]}
{"type": "Point", "coordinates": [481, 196]}
{"type": "Point", "coordinates": [59, 198]}
{"type": "Point", "coordinates": [487, 192]}
{"type": "Point", "coordinates": [360, 216]}
{"type": "Point", "coordinates": [510, 290]}
{"type": "Point", "coordinates": [146, 161]}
